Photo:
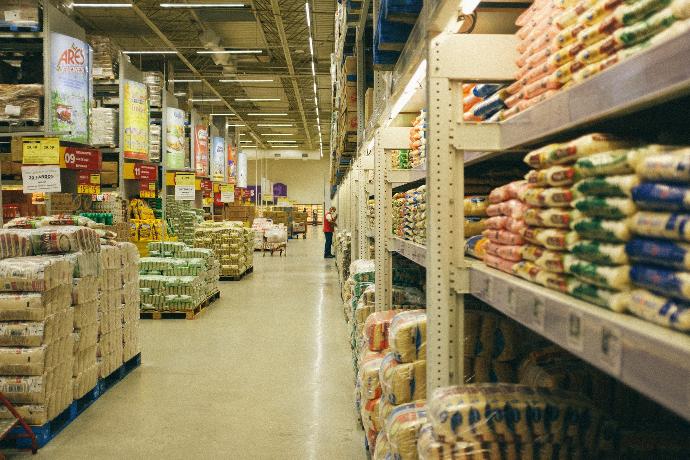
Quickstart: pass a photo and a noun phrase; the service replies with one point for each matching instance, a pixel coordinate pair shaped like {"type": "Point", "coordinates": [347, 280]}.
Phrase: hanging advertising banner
{"type": "Point", "coordinates": [80, 158]}
{"type": "Point", "coordinates": [227, 193]}
{"type": "Point", "coordinates": [40, 150]}
{"type": "Point", "coordinates": [184, 186]}
{"type": "Point", "coordinates": [136, 121]}
{"type": "Point", "coordinates": [218, 159]}
{"type": "Point", "coordinates": [231, 170]}
{"type": "Point", "coordinates": [88, 183]}
{"type": "Point", "coordinates": [41, 179]}
{"type": "Point", "coordinates": [201, 150]}
{"type": "Point", "coordinates": [174, 138]}
{"type": "Point", "coordinates": [69, 88]}
{"type": "Point", "coordinates": [241, 169]}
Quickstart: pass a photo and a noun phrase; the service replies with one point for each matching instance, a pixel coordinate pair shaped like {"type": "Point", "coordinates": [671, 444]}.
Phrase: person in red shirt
{"type": "Point", "coordinates": [329, 223]}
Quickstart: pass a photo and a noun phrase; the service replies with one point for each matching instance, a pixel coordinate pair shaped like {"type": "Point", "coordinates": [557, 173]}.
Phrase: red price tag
{"type": "Point", "coordinates": [80, 158]}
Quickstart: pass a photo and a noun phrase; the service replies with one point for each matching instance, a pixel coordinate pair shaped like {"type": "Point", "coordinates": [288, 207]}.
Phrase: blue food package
{"type": "Point", "coordinates": [659, 252]}
{"type": "Point", "coordinates": [663, 197]}
{"type": "Point", "coordinates": [485, 90]}
{"type": "Point", "coordinates": [666, 282]}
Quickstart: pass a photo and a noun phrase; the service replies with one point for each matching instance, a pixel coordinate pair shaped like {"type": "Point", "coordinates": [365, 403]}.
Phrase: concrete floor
{"type": "Point", "coordinates": [264, 373]}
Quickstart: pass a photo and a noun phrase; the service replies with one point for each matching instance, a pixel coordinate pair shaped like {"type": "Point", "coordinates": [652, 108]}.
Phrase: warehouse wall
{"type": "Point", "coordinates": [306, 180]}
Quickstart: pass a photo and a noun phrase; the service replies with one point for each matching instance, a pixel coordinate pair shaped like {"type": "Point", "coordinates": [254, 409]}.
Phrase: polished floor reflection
{"type": "Point", "coordinates": [265, 373]}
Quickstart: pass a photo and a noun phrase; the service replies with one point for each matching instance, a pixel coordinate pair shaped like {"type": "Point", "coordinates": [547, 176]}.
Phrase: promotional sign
{"type": "Point", "coordinates": [80, 158]}
{"type": "Point", "coordinates": [218, 159]}
{"type": "Point", "coordinates": [147, 189]}
{"type": "Point", "coordinates": [88, 183]}
{"type": "Point", "coordinates": [36, 179]}
{"type": "Point", "coordinates": [40, 150]}
{"type": "Point", "coordinates": [241, 169]}
{"type": "Point", "coordinates": [174, 138]}
{"type": "Point", "coordinates": [227, 193]}
{"type": "Point", "coordinates": [201, 150]}
{"type": "Point", "coordinates": [69, 90]}
{"type": "Point", "coordinates": [184, 186]}
{"type": "Point", "coordinates": [136, 121]}
{"type": "Point", "coordinates": [231, 170]}
{"type": "Point", "coordinates": [141, 171]}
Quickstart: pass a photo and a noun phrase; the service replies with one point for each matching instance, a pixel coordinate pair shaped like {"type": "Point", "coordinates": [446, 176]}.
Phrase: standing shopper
{"type": "Point", "coordinates": [328, 226]}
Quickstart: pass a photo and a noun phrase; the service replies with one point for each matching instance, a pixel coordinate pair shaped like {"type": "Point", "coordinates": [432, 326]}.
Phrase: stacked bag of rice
{"type": "Point", "coordinates": [417, 151]}
{"type": "Point", "coordinates": [563, 42]}
{"type": "Point", "coordinates": [504, 227]}
{"type": "Point", "coordinates": [498, 421]}
{"type": "Point", "coordinates": [483, 102]}
{"type": "Point", "coordinates": [659, 251]}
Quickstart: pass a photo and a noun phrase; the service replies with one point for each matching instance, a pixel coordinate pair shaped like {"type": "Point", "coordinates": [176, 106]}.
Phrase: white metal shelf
{"type": "Point", "coordinates": [634, 84]}
{"type": "Point", "coordinates": [652, 359]}
{"type": "Point", "coordinates": [414, 251]}
{"type": "Point", "coordinates": [405, 176]}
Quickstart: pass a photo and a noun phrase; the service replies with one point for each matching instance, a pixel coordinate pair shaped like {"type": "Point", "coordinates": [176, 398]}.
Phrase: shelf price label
{"type": "Point", "coordinates": [227, 193]}
{"type": "Point", "coordinates": [184, 186]}
{"type": "Point", "coordinates": [88, 183]}
{"type": "Point", "coordinates": [147, 190]}
{"type": "Point", "coordinates": [611, 349]}
{"type": "Point", "coordinates": [41, 179]}
{"type": "Point", "coordinates": [80, 158]}
{"type": "Point", "coordinates": [41, 151]}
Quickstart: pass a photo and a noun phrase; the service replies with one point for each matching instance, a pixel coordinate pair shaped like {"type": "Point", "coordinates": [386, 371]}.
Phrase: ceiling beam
{"type": "Point", "coordinates": [194, 70]}
{"type": "Point", "coordinates": [291, 70]}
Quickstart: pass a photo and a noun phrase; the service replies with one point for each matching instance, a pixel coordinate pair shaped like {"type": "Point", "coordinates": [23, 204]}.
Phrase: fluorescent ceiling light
{"type": "Point", "coordinates": [151, 52]}
{"type": "Point", "coordinates": [100, 5]}
{"type": "Point", "coordinates": [229, 52]}
{"type": "Point", "coordinates": [191, 80]}
{"type": "Point", "coordinates": [257, 99]}
{"type": "Point", "coordinates": [267, 114]}
{"type": "Point", "coordinates": [254, 80]}
{"type": "Point", "coordinates": [278, 125]}
{"type": "Point", "coordinates": [202, 5]}
{"type": "Point", "coordinates": [282, 141]}
{"type": "Point", "coordinates": [468, 6]}
{"type": "Point", "coordinates": [277, 134]}
{"type": "Point", "coordinates": [234, 124]}
{"type": "Point", "coordinates": [213, 99]}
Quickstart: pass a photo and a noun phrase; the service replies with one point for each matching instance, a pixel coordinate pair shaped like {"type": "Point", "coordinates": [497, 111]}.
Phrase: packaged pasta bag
{"type": "Point", "coordinates": [403, 426]}
{"type": "Point", "coordinates": [660, 310]}
{"type": "Point", "coordinates": [558, 154]}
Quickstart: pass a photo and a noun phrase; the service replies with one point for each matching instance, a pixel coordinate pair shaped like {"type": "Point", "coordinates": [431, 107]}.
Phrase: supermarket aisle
{"type": "Point", "coordinates": [264, 374]}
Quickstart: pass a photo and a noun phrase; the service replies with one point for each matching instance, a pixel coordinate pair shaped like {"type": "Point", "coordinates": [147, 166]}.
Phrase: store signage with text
{"type": "Point", "coordinates": [88, 183]}
{"type": "Point", "coordinates": [80, 158]}
{"type": "Point", "coordinates": [37, 179]}
{"type": "Point", "coordinates": [41, 151]}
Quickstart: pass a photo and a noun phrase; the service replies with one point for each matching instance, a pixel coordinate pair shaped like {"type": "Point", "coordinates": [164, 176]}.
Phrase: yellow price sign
{"type": "Point", "coordinates": [41, 151]}
{"type": "Point", "coordinates": [185, 179]}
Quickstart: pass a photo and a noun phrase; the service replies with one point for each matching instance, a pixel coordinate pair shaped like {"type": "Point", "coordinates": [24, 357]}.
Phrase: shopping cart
{"type": "Point", "coordinates": [275, 240]}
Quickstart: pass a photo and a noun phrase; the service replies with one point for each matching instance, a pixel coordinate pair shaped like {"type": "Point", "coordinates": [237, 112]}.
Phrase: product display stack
{"type": "Point", "coordinates": [232, 244]}
{"type": "Point", "coordinates": [130, 301]}
{"type": "Point", "coordinates": [109, 321]}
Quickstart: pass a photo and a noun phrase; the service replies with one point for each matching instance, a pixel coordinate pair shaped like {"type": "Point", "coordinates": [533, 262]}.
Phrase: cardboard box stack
{"type": "Point", "coordinates": [110, 289]}
{"type": "Point", "coordinates": [232, 244]}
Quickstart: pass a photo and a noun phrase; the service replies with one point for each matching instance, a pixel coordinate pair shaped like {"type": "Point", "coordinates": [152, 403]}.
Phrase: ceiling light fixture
{"type": "Point", "coordinates": [254, 80]}
{"type": "Point", "coordinates": [202, 5]}
{"type": "Point", "coordinates": [213, 99]}
{"type": "Point", "coordinates": [229, 52]}
{"type": "Point", "coordinates": [100, 5]}
{"type": "Point", "coordinates": [150, 52]}
{"type": "Point", "coordinates": [276, 125]}
{"type": "Point", "coordinates": [191, 80]}
{"type": "Point", "coordinates": [257, 99]}
{"type": "Point", "coordinates": [267, 114]}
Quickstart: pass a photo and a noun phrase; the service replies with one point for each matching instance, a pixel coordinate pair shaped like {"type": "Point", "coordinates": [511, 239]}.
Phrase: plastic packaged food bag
{"type": "Point", "coordinates": [672, 226]}
{"type": "Point", "coordinates": [616, 278]}
{"type": "Point", "coordinates": [660, 310]}
{"type": "Point", "coordinates": [659, 252]}
{"type": "Point", "coordinates": [612, 231]}
{"type": "Point", "coordinates": [605, 207]}
{"type": "Point", "coordinates": [664, 281]}
{"type": "Point", "coordinates": [557, 154]}
{"type": "Point", "coordinates": [403, 426]}
{"type": "Point", "coordinates": [402, 382]}
{"type": "Point", "coordinates": [662, 197]}
{"type": "Point", "coordinates": [407, 336]}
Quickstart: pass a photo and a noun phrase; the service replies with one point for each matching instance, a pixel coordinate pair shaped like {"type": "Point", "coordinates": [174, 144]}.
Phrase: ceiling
{"type": "Point", "coordinates": [278, 28]}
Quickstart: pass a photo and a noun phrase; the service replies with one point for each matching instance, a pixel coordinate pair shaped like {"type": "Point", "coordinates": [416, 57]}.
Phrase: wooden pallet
{"type": "Point", "coordinates": [236, 277]}
{"type": "Point", "coordinates": [46, 432]}
{"type": "Point", "coordinates": [183, 314]}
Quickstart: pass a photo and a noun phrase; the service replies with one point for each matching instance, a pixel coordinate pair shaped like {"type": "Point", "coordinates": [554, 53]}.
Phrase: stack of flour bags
{"type": "Point", "coordinates": [511, 421]}
{"type": "Point", "coordinates": [659, 252]}
{"type": "Point", "coordinates": [504, 227]}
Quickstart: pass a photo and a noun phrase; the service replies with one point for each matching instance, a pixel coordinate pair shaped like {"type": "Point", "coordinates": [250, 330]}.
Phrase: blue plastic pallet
{"type": "Point", "coordinates": [45, 433]}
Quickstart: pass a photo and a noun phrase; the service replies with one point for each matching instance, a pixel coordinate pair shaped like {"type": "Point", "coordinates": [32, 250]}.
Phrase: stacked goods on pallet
{"type": "Point", "coordinates": [182, 219]}
{"type": "Point", "coordinates": [233, 245]}
{"type": "Point", "coordinates": [564, 43]}
{"type": "Point", "coordinates": [104, 58]}
{"type": "Point", "coordinates": [109, 347]}
{"type": "Point", "coordinates": [130, 301]}
{"type": "Point", "coordinates": [418, 141]}
{"type": "Point", "coordinates": [658, 252]}
{"type": "Point", "coordinates": [483, 102]}
{"type": "Point", "coordinates": [21, 102]}
{"type": "Point", "coordinates": [495, 420]}
{"type": "Point", "coordinates": [400, 159]}
{"type": "Point", "coordinates": [85, 294]}
{"type": "Point", "coordinates": [154, 142]}
{"type": "Point", "coordinates": [154, 82]}
{"type": "Point", "coordinates": [504, 227]}
{"type": "Point", "coordinates": [176, 277]}
{"type": "Point", "coordinates": [104, 126]}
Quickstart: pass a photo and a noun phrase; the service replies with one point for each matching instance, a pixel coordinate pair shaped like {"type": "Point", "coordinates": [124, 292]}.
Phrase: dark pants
{"type": "Point", "coordinates": [329, 243]}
